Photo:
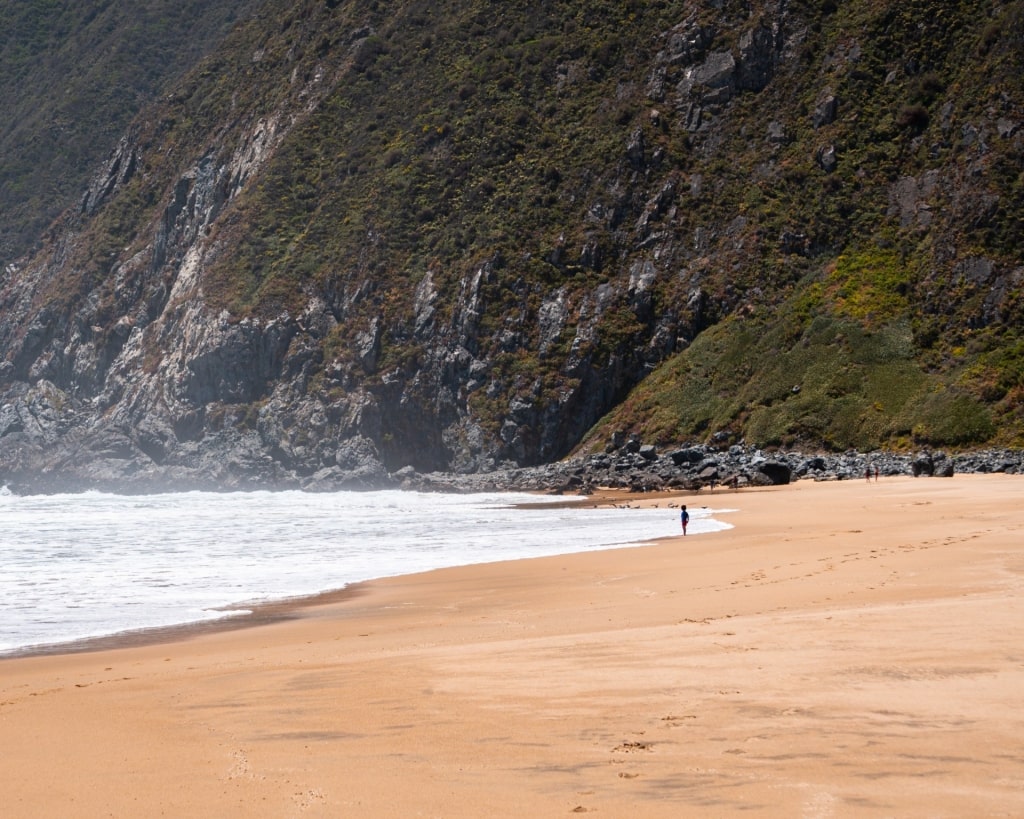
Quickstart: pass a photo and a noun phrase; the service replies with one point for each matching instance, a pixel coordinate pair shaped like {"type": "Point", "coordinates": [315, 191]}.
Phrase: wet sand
{"type": "Point", "coordinates": [848, 649]}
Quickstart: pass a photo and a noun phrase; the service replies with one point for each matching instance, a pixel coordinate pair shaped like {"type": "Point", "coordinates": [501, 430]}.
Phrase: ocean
{"type": "Point", "coordinates": [74, 567]}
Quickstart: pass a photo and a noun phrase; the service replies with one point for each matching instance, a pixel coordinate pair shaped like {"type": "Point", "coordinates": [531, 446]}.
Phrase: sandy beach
{"type": "Point", "coordinates": [848, 649]}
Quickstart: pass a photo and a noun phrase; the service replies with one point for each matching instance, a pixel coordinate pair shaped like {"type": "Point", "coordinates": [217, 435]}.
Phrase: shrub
{"type": "Point", "coordinates": [913, 117]}
{"type": "Point", "coordinates": [926, 88]}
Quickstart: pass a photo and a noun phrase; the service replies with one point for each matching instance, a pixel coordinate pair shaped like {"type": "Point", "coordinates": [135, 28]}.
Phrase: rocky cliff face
{"type": "Point", "coordinates": [233, 304]}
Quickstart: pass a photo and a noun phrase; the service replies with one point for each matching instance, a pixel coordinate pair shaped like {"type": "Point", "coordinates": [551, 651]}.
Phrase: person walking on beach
{"type": "Point", "coordinates": [684, 517]}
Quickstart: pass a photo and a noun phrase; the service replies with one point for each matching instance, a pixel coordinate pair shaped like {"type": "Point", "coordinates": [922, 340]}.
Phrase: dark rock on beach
{"type": "Point", "coordinates": [706, 468]}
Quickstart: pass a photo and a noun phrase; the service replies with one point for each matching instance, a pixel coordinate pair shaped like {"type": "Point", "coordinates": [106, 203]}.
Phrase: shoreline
{"type": "Point", "coordinates": [251, 616]}
{"type": "Point", "coordinates": [845, 649]}
{"type": "Point", "coordinates": [290, 608]}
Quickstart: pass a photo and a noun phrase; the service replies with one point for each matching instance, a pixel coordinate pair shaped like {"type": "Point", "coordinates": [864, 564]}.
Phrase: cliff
{"type": "Point", "coordinates": [465, 235]}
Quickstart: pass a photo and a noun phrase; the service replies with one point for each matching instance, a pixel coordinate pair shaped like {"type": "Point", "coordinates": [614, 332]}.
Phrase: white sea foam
{"type": "Point", "coordinates": [80, 566]}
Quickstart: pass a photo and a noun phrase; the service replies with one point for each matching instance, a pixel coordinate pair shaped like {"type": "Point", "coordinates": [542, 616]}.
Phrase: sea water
{"type": "Point", "coordinates": [87, 565]}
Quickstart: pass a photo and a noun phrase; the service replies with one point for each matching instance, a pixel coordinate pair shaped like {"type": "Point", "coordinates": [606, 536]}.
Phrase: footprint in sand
{"type": "Point", "coordinates": [632, 747]}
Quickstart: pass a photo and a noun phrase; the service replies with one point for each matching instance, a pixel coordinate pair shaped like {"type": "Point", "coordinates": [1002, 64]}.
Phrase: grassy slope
{"type": "Point", "coordinates": [73, 74]}
{"type": "Point", "coordinates": [881, 343]}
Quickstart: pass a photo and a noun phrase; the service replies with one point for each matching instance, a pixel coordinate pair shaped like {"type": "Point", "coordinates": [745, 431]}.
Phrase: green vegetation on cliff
{"type": "Point", "coordinates": [73, 74]}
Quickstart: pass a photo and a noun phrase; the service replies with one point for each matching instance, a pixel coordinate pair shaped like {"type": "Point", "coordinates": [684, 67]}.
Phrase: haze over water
{"type": "Point", "coordinates": [88, 565]}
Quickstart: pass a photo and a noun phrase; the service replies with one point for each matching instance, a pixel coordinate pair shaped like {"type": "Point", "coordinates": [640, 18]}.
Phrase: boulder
{"type": "Point", "coordinates": [709, 473]}
{"type": "Point", "coordinates": [691, 455]}
{"type": "Point", "coordinates": [923, 464]}
{"type": "Point", "coordinates": [826, 111]}
{"type": "Point", "coordinates": [826, 158]}
{"type": "Point", "coordinates": [778, 473]}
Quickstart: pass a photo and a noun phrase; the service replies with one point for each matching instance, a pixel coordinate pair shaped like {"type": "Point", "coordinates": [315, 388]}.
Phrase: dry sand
{"type": "Point", "coordinates": [848, 649]}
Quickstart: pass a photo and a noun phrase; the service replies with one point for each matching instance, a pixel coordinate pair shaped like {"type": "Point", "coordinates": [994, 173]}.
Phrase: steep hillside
{"type": "Point", "coordinates": [901, 182]}
{"type": "Point", "coordinates": [456, 235]}
{"type": "Point", "coordinates": [73, 74]}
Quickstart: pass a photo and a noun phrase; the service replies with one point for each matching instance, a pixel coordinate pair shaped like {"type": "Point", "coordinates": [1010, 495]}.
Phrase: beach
{"type": "Point", "coordinates": [850, 648]}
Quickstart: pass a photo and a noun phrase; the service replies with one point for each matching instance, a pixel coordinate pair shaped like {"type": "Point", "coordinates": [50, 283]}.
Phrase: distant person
{"type": "Point", "coordinates": [867, 474]}
{"type": "Point", "coordinates": [684, 517]}
{"type": "Point", "coordinates": [876, 472]}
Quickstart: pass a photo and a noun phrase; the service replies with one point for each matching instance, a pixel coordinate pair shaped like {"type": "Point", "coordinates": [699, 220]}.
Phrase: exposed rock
{"type": "Point", "coordinates": [908, 198]}
{"type": "Point", "coordinates": [119, 170]}
{"type": "Point", "coordinates": [826, 158]}
{"type": "Point", "coordinates": [826, 111]}
{"type": "Point", "coordinates": [779, 474]}
{"type": "Point", "coordinates": [757, 59]}
{"type": "Point", "coordinates": [367, 346]}
{"type": "Point", "coordinates": [923, 464]}
{"type": "Point", "coordinates": [1007, 128]}
{"type": "Point", "coordinates": [709, 474]}
{"type": "Point", "coordinates": [693, 117]}
{"type": "Point", "coordinates": [687, 44]}
{"type": "Point", "coordinates": [974, 271]}
{"type": "Point", "coordinates": [776, 133]}
{"type": "Point", "coordinates": [635, 148]}
{"type": "Point", "coordinates": [713, 82]}
{"type": "Point", "coordinates": [551, 318]}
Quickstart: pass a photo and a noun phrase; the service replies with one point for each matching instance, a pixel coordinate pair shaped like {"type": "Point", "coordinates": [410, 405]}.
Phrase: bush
{"type": "Point", "coordinates": [926, 88]}
{"type": "Point", "coordinates": [913, 117]}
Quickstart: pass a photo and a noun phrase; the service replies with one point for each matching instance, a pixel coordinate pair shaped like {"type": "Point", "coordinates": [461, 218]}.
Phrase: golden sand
{"type": "Point", "coordinates": [848, 649]}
